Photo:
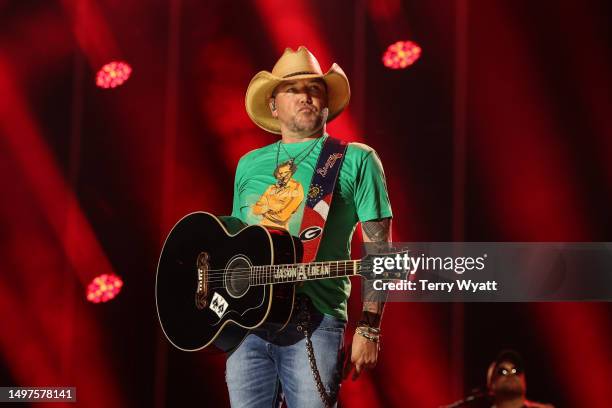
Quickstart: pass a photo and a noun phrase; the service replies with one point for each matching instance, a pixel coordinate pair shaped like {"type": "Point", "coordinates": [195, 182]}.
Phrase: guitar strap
{"type": "Point", "coordinates": [320, 194]}
{"type": "Point", "coordinates": [318, 203]}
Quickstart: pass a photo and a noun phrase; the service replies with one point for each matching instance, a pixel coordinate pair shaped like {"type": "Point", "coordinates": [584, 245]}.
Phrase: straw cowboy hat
{"type": "Point", "coordinates": [292, 65]}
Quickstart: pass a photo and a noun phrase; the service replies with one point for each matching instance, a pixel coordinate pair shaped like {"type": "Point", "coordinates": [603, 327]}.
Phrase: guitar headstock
{"type": "Point", "coordinates": [392, 265]}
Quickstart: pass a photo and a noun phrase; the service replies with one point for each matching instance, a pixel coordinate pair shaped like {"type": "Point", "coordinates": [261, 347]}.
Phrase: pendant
{"type": "Point", "coordinates": [284, 172]}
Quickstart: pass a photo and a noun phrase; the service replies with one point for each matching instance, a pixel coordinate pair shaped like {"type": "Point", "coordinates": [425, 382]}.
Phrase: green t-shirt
{"type": "Point", "coordinates": [360, 195]}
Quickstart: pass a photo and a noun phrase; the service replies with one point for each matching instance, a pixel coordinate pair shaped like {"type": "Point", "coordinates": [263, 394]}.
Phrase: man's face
{"type": "Point", "coordinates": [508, 380]}
{"type": "Point", "coordinates": [299, 105]}
{"type": "Point", "coordinates": [284, 174]}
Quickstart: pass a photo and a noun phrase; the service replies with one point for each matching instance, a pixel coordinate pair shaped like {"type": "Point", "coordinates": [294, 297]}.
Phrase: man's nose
{"type": "Point", "coordinates": [305, 97]}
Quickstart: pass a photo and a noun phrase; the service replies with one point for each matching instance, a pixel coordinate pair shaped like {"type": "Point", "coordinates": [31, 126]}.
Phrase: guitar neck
{"type": "Point", "coordinates": [271, 274]}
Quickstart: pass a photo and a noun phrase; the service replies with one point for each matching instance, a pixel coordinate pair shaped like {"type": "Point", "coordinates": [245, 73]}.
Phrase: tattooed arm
{"type": "Point", "coordinates": [378, 232]}
{"type": "Point", "coordinates": [364, 353]}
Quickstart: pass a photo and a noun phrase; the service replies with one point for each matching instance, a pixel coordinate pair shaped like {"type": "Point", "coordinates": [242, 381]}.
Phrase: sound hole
{"type": "Point", "coordinates": [237, 276]}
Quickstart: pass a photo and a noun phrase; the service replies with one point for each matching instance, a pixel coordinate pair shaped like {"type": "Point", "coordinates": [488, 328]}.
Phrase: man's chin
{"type": "Point", "coordinates": [311, 127]}
{"type": "Point", "coordinates": [509, 390]}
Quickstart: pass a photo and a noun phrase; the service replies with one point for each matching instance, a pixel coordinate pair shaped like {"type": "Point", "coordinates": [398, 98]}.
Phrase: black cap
{"type": "Point", "coordinates": [512, 357]}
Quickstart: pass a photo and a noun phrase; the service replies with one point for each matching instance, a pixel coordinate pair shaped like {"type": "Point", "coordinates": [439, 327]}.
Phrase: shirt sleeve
{"type": "Point", "coordinates": [371, 196]}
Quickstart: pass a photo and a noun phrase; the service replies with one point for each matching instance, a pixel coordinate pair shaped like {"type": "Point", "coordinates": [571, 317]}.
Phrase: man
{"type": "Point", "coordinates": [506, 382]}
{"type": "Point", "coordinates": [296, 100]}
{"type": "Point", "coordinates": [506, 386]}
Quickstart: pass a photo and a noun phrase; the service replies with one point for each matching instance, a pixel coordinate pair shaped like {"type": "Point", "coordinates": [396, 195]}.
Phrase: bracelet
{"type": "Point", "coordinates": [364, 325]}
{"type": "Point", "coordinates": [375, 338]}
{"type": "Point", "coordinates": [369, 338]}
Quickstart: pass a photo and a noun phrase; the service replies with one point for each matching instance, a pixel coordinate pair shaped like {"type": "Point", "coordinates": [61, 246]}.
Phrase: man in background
{"type": "Point", "coordinates": [506, 386]}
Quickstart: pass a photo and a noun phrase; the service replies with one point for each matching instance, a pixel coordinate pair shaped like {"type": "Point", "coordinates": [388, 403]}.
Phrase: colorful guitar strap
{"type": "Point", "coordinates": [320, 196]}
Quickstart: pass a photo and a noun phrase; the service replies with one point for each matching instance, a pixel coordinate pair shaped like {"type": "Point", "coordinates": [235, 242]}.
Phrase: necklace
{"type": "Point", "coordinates": [283, 177]}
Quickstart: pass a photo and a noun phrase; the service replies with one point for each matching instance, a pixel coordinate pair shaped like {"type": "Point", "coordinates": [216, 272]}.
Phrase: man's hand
{"type": "Point", "coordinates": [363, 355]}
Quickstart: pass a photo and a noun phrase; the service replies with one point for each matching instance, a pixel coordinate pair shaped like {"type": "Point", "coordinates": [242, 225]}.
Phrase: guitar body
{"type": "Point", "coordinates": [203, 291]}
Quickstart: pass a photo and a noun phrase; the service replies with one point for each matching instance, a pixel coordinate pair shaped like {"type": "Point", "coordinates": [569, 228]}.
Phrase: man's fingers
{"type": "Point", "coordinates": [370, 366]}
{"type": "Point", "coordinates": [357, 371]}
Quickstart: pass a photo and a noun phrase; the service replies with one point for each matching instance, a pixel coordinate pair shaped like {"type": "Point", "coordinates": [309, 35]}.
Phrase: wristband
{"type": "Point", "coordinates": [365, 325]}
{"type": "Point", "coordinates": [373, 337]}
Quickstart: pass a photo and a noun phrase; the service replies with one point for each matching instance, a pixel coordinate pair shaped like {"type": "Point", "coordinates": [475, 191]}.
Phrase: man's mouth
{"type": "Point", "coordinates": [306, 110]}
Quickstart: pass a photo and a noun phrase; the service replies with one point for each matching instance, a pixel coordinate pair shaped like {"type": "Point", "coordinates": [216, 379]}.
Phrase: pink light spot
{"type": "Point", "coordinates": [113, 74]}
{"type": "Point", "coordinates": [104, 288]}
{"type": "Point", "coordinates": [401, 54]}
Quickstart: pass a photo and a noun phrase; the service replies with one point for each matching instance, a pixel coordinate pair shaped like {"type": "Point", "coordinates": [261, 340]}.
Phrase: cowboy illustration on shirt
{"type": "Point", "coordinates": [280, 201]}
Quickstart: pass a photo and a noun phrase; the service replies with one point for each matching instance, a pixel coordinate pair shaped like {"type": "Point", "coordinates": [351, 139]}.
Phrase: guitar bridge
{"type": "Point", "coordinates": [202, 290]}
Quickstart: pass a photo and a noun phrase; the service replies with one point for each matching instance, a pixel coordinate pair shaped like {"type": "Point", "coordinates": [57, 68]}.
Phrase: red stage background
{"type": "Point", "coordinates": [499, 132]}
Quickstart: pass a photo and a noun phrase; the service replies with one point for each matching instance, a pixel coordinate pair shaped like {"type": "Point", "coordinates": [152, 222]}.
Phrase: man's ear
{"type": "Point", "coordinates": [272, 105]}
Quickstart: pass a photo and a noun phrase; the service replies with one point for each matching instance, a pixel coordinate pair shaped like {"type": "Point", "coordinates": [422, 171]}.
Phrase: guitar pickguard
{"type": "Point", "coordinates": [218, 304]}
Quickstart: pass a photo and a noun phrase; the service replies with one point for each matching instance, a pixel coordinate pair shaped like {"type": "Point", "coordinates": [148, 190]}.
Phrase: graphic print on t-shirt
{"type": "Point", "coordinates": [280, 200]}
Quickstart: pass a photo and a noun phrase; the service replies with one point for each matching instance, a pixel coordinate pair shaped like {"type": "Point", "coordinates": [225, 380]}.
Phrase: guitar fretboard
{"type": "Point", "coordinates": [269, 274]}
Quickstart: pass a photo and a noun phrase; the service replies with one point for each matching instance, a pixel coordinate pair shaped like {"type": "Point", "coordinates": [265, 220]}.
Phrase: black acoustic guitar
{"type": "Point", "coordinates": [213, 286]}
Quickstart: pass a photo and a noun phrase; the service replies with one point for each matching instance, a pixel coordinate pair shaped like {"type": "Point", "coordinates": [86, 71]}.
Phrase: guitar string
{"type": "Point", "coordinates": [251, 270]}
{"type": "Point", "coordinates": [220, 283]}
{"type": "Point", "coordinates": [263, 276]}
{"type": "Point", "coordinates": [269, 275]}
{"type": "Point", "coordinates": [253, 283]}
{"type": "Point", "coordinates": [269, 272]}
{"type": "Point", "coordinates": [256, 281]}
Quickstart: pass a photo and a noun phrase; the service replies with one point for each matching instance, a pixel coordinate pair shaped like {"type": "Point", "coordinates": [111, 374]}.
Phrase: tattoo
{"type": "Point", "coordinates": [372, 319]}
{"type": "Point", "coordinates": [378, 232]}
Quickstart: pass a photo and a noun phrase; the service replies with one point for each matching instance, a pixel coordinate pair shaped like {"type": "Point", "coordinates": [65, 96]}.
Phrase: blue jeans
{"type": "Point", "coordinates": [267, 360]}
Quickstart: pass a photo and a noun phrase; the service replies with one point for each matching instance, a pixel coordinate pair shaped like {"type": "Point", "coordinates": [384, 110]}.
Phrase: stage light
{"type": "Point", "coordinates": [104, 288]}
{"type": "Point", "coordinates": [401, 54]}
{"type": "Point", "coordinates": [113, 74]}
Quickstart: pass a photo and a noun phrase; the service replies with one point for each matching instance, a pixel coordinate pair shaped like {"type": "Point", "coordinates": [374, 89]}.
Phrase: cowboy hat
{"type": "Point", "coordinates": [293, 65]}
